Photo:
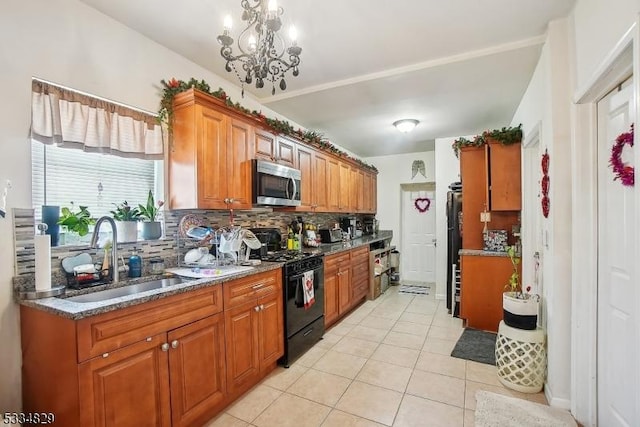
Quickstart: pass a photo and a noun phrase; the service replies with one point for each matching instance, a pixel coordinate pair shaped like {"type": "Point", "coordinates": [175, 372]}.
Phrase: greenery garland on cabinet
{"type": "Point", "coordinates": [505, 136]}
{"type": "Point", "coordinates": [173, 87]}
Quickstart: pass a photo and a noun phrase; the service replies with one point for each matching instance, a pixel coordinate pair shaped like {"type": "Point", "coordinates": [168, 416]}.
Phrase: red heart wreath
{"type": "Point", "coordinates": [422, 204]}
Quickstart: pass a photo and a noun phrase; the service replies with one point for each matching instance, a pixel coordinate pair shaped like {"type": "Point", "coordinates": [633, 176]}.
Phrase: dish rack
{"type": "Point", "coordinates": [215, 257]}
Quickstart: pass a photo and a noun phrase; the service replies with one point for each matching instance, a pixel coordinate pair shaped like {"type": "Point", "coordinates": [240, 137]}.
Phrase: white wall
{"type": "Point", "coordinates": [393, 171]}
{"type": "Point", "coordinates": [598, 26]}
{"type": "Point", "coordinates": [547, 102]}
{"type": "Point", "coordinates": [447, 171]}
{"type": "Point", "coordinates": [66, 42]}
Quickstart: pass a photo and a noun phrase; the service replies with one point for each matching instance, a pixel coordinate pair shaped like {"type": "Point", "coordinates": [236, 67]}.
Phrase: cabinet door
{"type": "Point", "coordinates": [359, 190]}
{"type": "Point", "coordinates": [212, 167]}
{"type": "Point", "coordinates": [197, 370]}
{"type": "Point", "coordinates": [344, 188]}
{"type": "Point", "coordinates": [241, 338]}
{"type": "Point", "coordinates": [474, 198]}
{"type": "Point", "coordinates": [238, 177]}
{"type": "Point", "coordinates": [331, 310]}
{"type": "Point", "coordinates": [333, 185]}
{"type": "Point", "coordinates": [374, 192]}
{"type": "Point", "coordinates": [285, 152]}
{"type": "Point", "coordinates": [271, 330]}
{"type": "Point", "coordinates": [264, 145]}
{"type": "Point", "coordinates": [305, 159]}
{"type": "Point", "coordinates": [368, 197]}
{"type": "Point", "coordinates": [344, 288]}
{"type": "Point", "coordinates": [505, 175]}
{"type": "Point", "coordinates": [127, 387]}
{"type": "Point", "coordinates": [320, 182]}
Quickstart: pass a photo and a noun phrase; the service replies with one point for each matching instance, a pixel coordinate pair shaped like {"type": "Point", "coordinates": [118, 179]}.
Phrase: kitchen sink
{"type": "Point", "coordinates": [126, 290]}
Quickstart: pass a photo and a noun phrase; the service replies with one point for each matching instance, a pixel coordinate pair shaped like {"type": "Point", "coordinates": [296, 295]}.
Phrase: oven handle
{"type": "Point", "coordinates": [296, 276]}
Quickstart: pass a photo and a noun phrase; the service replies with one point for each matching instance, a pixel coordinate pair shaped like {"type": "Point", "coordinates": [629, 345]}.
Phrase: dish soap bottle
{"type": "Point", "coordinates": [135, 264]}
{"type": "Point", "coordinates": [290, 239]}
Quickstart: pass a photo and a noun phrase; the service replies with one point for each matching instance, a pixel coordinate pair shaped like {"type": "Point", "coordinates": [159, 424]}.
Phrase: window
{"type": "Point", "coordinates": [62, 175]}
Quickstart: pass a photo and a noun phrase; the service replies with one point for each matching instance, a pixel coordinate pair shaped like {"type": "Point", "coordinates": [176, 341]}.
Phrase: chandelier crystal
{"type": "Point", "coordinates": [261, 49]}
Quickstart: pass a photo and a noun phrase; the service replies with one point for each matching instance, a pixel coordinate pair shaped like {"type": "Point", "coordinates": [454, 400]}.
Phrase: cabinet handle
{"type": "Point", "coordinates": [231, 200]}
{"type": "Point", "coordinates": [174, 344]}
{"type": "Point", "coordinates": [164, 347]}
{"type": "Point", "coordinates": [256, 308]}
{"type": "Point", "coordinates": [258, 286]}
{"type": "Point", "coordinates": [261, 307]}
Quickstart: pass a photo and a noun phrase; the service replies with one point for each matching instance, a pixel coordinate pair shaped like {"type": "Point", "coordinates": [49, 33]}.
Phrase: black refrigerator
{"type": "Point", "coordinates": [454, 237]}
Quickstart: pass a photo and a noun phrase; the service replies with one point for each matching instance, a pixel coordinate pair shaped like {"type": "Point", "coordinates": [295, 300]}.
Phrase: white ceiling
{"type": "Point", "coordinates": [458, 66]}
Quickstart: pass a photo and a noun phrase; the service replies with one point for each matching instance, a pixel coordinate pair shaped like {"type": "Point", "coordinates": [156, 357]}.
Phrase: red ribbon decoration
{"type": "Point", "coordinates": [422, 204]}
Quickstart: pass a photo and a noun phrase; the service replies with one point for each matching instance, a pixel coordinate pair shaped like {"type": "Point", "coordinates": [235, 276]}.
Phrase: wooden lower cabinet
{"type": "Point", "coordinates": [175, 361]}
{"type": "Point", "coordinates": [346, 282]}
{"type": "Point", "coordinates": [197, 370]}
{"type": "Point", "coordinates": [128, 387]}
{"type": "Point", "coordinates": [482, 283]}
{"type": "Point", "coordinates": [254, 328]}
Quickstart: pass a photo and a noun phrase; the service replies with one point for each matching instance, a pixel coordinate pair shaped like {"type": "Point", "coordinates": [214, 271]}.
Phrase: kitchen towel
{"type": "Point", "coordinates": [307, 285]}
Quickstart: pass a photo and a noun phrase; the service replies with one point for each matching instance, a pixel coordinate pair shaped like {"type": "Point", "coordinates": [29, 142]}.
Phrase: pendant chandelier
{"type": "Point", "coordinates": [261, 49]}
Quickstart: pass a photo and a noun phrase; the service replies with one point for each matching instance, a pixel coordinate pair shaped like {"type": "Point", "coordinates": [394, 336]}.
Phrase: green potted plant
{"type": "Point", "coordinates": [76, 222]}
{"type": "Point", "coordinates": [520, 309]}
{"type": "Point", "coordinates": [151, 229]}
{"type": "Point", "coordinates": [127, 218]}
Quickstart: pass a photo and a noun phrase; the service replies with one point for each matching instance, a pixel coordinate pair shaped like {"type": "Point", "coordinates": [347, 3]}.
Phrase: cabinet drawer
{"type": "Point", "coordinates": [238, 292]}
{"type": "Point", "coordinates": [332, 261]}
{"type": "Point", "coordinates": [361, 269]}
{"type": "Point", "coordinates": [360, 252]}
{"type": "Point", "coordinates": [110, 331]}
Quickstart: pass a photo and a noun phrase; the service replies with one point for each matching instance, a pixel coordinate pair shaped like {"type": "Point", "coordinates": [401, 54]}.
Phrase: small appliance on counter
{"type": "Point", "coordinates": [369, 225]}
{"type": "Point", "coordinates": [348, 224]}
{"type": "Point", "coordinates": [271, 240]}
{"type": "Point", "coordinates": [330, 236]}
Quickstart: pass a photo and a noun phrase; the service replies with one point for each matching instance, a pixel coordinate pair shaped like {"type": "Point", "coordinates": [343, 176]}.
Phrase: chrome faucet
{"type": "Point", "coordinates": [114, 248]}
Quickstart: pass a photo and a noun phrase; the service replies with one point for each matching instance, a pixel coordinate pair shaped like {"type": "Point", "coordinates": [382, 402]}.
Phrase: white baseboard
{"type": "Point", "coordinates": [556, 402]}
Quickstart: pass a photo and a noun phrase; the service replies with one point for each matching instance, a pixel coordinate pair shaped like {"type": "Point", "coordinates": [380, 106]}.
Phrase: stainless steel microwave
{"type": "Point", "coordinates": [275, 185]}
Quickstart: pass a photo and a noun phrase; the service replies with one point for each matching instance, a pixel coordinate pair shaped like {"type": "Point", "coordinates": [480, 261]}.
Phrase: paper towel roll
{"type": "Point", "coordinates": [42, 243]}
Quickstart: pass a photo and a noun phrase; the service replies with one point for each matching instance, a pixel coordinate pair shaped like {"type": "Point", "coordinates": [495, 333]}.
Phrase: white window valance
{"type": "Point", "coordinates": [75, 120]}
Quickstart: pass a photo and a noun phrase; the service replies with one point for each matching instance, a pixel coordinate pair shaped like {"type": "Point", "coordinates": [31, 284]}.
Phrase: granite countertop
{"type": "Point", "coordinates": [480, 252]}
{"type": "Point", "coordinates": [78, 310]}
{"type": "Point", "coordinates": [334, 248]}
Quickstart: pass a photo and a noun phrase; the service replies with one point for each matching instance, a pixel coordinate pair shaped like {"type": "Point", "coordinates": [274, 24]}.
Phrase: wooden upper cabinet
{"type": "Point", "coordinates": [209, 155]}
{"type": "Point", "coordinates": [320, 185]}
{"type": "Point", "coordinates": [474, 201]}
{"type": "Point", "coordinates": [286, 152]}
{"type": "Point", "coordinates": [238, 176]}
{"type": "Point", "coordinates": [264, 145]}
{"type": "Point", "coordinates": [305, 164]}
{"type": "Point", "coordinates": [344, 188]}
{"type": "Point", "coordinates": [505, 188]}
{"type": "Point", "coordinates": [370, 192]}
{"type": "Point", "coordinates": [334, 191]}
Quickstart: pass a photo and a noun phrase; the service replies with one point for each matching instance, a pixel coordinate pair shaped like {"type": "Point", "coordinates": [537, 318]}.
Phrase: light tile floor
{"type": "Point", "coordinates": [387, 363]}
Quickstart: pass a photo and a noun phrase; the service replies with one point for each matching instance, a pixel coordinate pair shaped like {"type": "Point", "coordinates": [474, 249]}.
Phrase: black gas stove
{"type": "Point", "coordinates": [287, 256]}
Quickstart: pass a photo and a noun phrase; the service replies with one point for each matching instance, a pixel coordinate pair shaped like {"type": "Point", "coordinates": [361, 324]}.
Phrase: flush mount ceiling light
{"type": "Point", "coordinates": [406, 125]}
{"type": "Point", "coordinates": [261, 47]}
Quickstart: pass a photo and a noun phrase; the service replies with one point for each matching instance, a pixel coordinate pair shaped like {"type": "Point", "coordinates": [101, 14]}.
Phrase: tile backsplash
{"type": "Point", "coordinates": [166, 248]}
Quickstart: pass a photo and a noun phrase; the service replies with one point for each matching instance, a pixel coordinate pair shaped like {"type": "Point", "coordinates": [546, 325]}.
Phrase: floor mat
{"type": "Point", "coordinates": [479, 346]}
{"type": "Point", "coordinates": [495, 410]}
{"type": "Point", "coordinates": [413, 289]}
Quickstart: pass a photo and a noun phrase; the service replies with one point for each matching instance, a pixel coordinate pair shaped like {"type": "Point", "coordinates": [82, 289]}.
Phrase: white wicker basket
{"type": "Point", "coordinates": [521, 358]}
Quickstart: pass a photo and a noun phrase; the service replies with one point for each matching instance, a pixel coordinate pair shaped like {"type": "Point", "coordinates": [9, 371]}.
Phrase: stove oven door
{"type": "Point", "coordinates": [297, 316]}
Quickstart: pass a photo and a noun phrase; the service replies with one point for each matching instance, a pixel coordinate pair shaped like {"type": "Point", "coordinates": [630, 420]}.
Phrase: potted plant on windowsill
{"type": "Point", "coordinates": [126, 222]}
{"type": "Point", "coordinates": [151, 229]}
{"type": "Point", "coordinates": [520, 309]}
{"type": "Point", "coordinates": [76, 222]}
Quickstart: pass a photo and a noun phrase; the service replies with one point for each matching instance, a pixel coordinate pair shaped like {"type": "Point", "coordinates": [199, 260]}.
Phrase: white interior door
{"type": "Point", "coordinates": [418, 251]}
{"type": "Point", "coordinates": [617, 346]}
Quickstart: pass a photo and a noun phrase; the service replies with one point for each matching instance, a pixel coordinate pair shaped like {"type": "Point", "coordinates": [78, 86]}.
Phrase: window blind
{"type": "Point", "coordinates": [62, 175]}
